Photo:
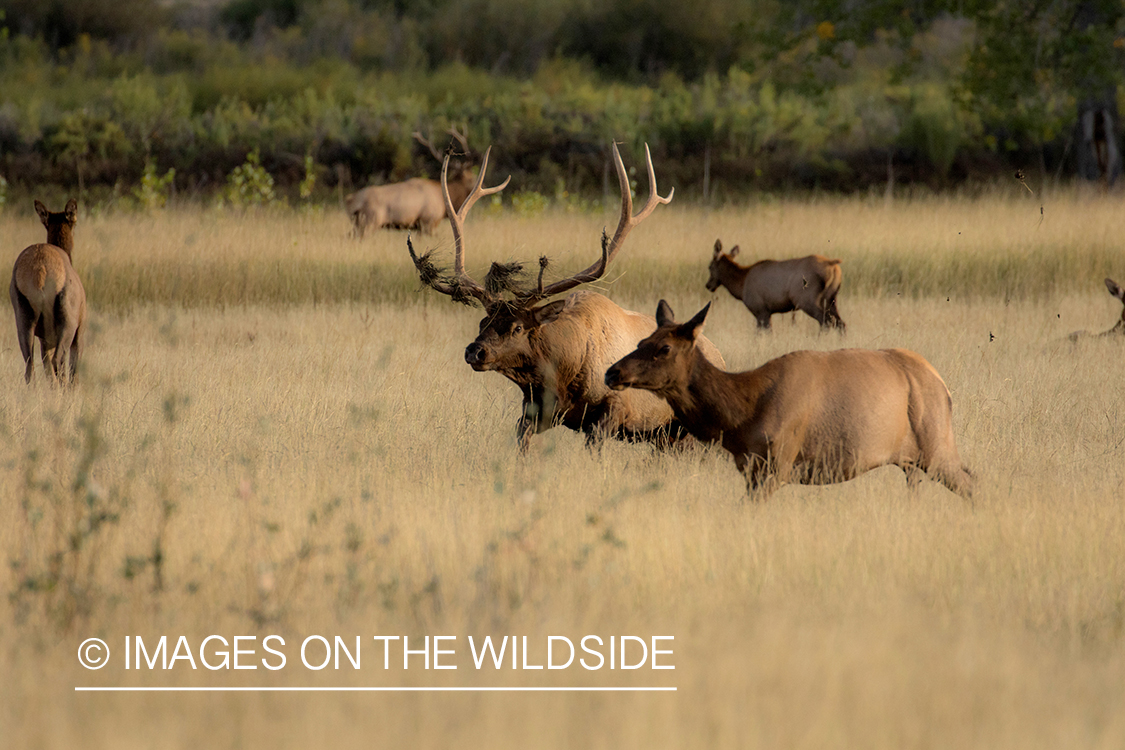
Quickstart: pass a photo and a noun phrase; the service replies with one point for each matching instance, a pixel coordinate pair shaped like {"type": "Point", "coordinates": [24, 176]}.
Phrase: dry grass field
{"type": "Point", "coordinates": [275, 433]}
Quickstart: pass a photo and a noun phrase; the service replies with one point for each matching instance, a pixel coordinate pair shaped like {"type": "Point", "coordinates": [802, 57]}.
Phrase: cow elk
{"type": "Point", "coordinates": [557, 352]}
{"type": "Point", "coordinates": [809, 284]}
{"type": "Point", "coordinates": [1117, 291]}
{"type": "Point", "coordinates": [416, 203]}
{"type": "Point", "coordinates": [48, 298]}
{"type": "Point", "coordinates": [808, 417]}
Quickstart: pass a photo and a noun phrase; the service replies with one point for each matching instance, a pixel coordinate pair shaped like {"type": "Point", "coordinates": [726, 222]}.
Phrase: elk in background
{"type": "Point", "coordinates": [809, 284]}
{"type": "Point", "coordinates": [808, 417]}
{"type": "Point", "coordinates": [414, 204]}
{"type": "Point", "coordinates": [1115, 290]}
{"type": "Point", "coordinates": [558, 352]}
{"type": "Point", "coordinates": [48, 298]}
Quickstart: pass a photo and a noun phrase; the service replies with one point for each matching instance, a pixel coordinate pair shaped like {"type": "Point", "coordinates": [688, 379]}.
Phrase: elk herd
{"type": "Point", "coordinates": [582, 362]}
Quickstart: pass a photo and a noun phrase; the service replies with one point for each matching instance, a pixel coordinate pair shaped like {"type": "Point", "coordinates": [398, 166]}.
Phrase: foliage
{"type": "Point", "coordinates": [758, 95]}
{"type": "Point", "coordinates": [153, 190]}
{"type": "Point", "coordinates": [250, 184]}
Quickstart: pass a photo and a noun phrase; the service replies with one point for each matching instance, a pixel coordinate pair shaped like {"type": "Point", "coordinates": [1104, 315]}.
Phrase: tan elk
{"type": "Point", "coordinates": [808, 417]}
{"type": "Point", "coordinates": [809, 284]}
{"type": "Point", "coordinates": [557, 352]}
{"type": "Point", "coordinates": [416, 203]}
{"type": "Point", "coordinates": [1119, 329]}
{"type": "Point", "coordinates": [48, 298]}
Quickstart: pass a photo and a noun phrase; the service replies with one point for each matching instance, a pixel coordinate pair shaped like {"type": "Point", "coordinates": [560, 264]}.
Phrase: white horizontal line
{"type": "Point", "coordinates": [373, 689]}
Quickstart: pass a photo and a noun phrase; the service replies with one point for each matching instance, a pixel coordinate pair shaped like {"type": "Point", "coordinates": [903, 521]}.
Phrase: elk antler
{"type": "Point", "coordinates": [460, 139]}
{"type": "Point", "coordinates": [438, 154]}
{"type": "Point", "coordinates": [461, 285]}
{"type": "Point", "coordinates": [426, 142]}
{"type": "Point", "coordinates": [626, 224]}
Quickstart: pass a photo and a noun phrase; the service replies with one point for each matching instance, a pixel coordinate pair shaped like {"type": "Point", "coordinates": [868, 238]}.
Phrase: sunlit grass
{"type": "Point", "coordinates": [336, 469]}
{"type": "Point", "coordinates": [993, 247]}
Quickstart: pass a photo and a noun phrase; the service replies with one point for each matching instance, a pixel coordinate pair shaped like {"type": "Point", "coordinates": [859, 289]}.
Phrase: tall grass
{"type": "Point", "coordinates": [996, 247]}
{"type": "Point", "coordinates": [336, 469]}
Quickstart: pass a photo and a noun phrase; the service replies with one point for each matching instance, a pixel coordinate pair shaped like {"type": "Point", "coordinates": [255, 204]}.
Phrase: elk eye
{"type": "Point", "coordinates": [517, 328]}
{"type": "Point", "coordinates": [664, 351]}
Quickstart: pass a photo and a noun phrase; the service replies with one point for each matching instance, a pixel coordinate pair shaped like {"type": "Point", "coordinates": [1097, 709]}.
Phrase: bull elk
{"type": "Point", "coordinates": [48, 298]}
{"type": "Point", "coordinates": [810, 417]}
{"type": "Point", "coordinates": [809, 284]}
{"type": "Point", "coordinates": [558, 352]}
{"type": "Point", "coordinates": [1115, 290]}
{"type": "Point", "coordinates": [416, 203]}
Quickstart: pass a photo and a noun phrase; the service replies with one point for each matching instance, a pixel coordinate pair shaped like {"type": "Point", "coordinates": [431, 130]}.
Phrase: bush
{"type": "Point", "coordinates": [250, 184]}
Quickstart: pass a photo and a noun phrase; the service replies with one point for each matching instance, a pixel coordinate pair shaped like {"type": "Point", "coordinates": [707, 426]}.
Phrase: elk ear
{"type": "Point", "coordinates": [71, 211]}
{"type": "Point", "coordinates": [1115, 289]}
{"type": "Point", "coordinates": [718, 248]}
{"type": "Point", "coordinates": [549, 312]}
{"type": "Point", "coordinates": [734, 251]}
{"type": "Point", "coordinates": [664, 316]}
{"type": "Point", "coordinates": [690, 330]}
{"type": "Point", "coordinates": [42, 211]}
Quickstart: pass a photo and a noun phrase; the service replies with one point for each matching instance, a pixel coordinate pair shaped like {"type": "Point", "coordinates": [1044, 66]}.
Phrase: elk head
{"type": "Point", "coordinates": [721, 265]}
{"type": "Point", "coordinates": [512, 322]}
{"type": "Point", "coordinates": [60, 224]}
{"type": "Point", "coordinates": [662, 362]}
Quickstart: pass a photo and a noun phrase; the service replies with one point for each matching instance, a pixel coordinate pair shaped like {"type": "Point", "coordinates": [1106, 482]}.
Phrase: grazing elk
{"type": "Point", "coordinates": [416, 203]}
{"type": "Point", "coordinates": [48, 298]}
{"type": "Point", "coordinates": [1119, 329]}
{"type": "Point", "coordinates": [779, 286]}
{"type": "Point", "coordinates": [558, 352]}
{"type": "Point", "coordinates": [810, 417]}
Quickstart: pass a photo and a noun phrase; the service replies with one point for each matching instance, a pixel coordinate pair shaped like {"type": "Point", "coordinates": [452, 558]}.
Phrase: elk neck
{"type": "Point", "coordinates": [731, 275]}
{"type": "Point", "coordinates": [711, 401]}
{"type": "Point", "coordinates": [61, 235]}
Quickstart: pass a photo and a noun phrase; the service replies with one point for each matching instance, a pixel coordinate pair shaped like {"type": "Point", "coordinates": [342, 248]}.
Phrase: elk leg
{"type": "Point", "coordinates": [834, 316]}
{"type": "Point", "coordinates": [817, 313]}
{"type": "Point", "coordinates": [75, 353]}
{"type": "Point", "coordinates": [61, 364]}
{"type": "Point", "coordinates": [524, 430]}
{"type": "Point", "coordinates": [760, 480]}
{"type": "Point", "coordinates": [25, 329]}
{"type": "Point", "coordinates": [957, 479]}
{"type": "Point", "coordinates": [26, 320]}
{"type": "Point", "coordinates": [763, 321]}
{"type": "Point", "coordinates": [48, 361]}
{"type": "Point", "coordinates": [914, 476]}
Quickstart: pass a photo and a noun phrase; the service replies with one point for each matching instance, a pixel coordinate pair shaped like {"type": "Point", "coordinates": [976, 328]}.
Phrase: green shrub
{"type": "Point", "coordinates": [153, 190]}
{"type": "Point", "coordinates": [250, 184]}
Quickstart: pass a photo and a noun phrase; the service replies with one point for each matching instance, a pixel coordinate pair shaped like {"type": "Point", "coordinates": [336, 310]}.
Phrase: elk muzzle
{"type": "Point", "coordinates": [615, 379]}
{"type": "Point", "coordinates": [477, 356]}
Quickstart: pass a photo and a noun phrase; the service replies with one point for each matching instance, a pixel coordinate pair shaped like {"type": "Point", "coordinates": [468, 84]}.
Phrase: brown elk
{"type": "Point", "coordinates": [557, 352]}
{"type": "Point", "coordinates": [48, 298]}
{"type": "Point", "coordinates": [810, 417]}
{"type": "Point", "coordinates": [809, 284]}
{"type": "Point", "coordinates": [416, 203]}
{"type": "Point", "coordinates": [1119, 329]}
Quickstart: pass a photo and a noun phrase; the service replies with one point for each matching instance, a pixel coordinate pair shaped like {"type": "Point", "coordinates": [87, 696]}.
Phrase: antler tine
{"type": "Point", "coordinates": [460, 139]}
{"type": "Point", "coordinates": [426, 142]}
{"type": "Point", "coordinates": [628, 222]}
{"type": "Point", "coordinates": [625, 225]}
{"type": "Point", "coordinates": [457, 224]}
{"type": "Point", "coordinates": [543, 261]}
{"type": "Point", "coordinates": [478, 190]}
